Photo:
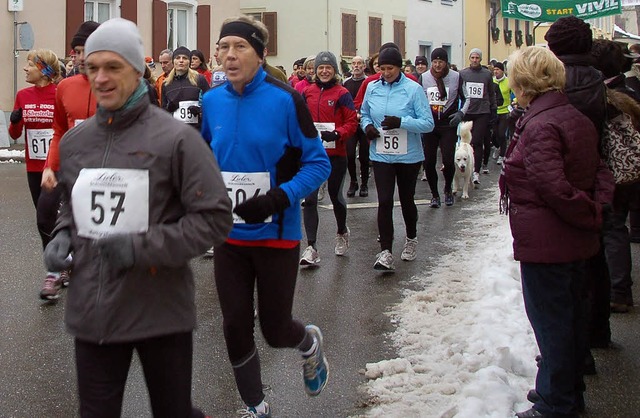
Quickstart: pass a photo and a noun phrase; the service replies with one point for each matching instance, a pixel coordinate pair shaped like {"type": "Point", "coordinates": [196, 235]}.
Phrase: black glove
{"type": "Point", "coordinates": [56, 254]}
{"type": "Point", "coordinates": [328, 136]}
{"type": "Point", "coordinates": [172, 107]}
{"type": "Point", "coordinates": [117, 251]}
{"type": "Point", "coordinates": [456, 118]}
{"type": "Point", "coordinates": [288, 165]}
{"type": "Point", "coordinates": [391, 122]}
{"type": "Point", "coordinates": [16, 116]}
{"type": "Point", "coordinates": [259, 208]}
{"type": "Point", "coordinates": [371, 132]}
{"type": "Point", "coordinates": [195, 110]}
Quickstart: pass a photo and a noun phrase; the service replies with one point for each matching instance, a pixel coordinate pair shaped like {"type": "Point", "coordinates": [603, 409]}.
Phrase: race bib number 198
{"type": "Point", "coordinates": [108, 201]}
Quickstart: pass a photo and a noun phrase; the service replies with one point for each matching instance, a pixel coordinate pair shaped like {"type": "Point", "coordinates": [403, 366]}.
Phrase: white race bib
{"type": "Point", "coordinates": [326, 126]}
{"type": "Point", "coordinates": [183, 114]}
{"type": "Point", "coordinates": [110, 201]}
{"type": "Point", "coordinates": [433, 95]}
{"type": "Point", "coordinates": [38, 141]}
{"type": "Point", "coordinates": [475, 90]}
{"type": "Point", "coordinates": [392, 141]}
{"type": "Point", "coordinates": [243, 186]}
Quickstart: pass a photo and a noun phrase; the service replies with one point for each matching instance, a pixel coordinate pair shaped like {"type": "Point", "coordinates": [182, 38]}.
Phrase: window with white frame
{"type": "Point", "coordinates": [100, 10]}
{"type": "Point", "coordinates": [181, 23]}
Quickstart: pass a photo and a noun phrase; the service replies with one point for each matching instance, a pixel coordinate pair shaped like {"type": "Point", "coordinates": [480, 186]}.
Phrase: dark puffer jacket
{"type": "Point", "coordinates": [556, 183]}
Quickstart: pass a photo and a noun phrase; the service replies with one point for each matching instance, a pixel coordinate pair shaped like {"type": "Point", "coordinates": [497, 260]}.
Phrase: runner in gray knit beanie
{"type": "Point", "coordinates": [476, 51]}
{"type": "Point", "coordinates": [120, 36]}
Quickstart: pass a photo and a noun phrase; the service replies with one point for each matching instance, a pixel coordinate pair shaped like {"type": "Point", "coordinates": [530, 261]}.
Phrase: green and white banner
{"type": "Point", "coordinates": [552, 10]}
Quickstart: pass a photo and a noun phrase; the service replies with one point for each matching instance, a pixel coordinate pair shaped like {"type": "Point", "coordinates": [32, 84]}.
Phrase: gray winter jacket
{"type": "Point", "coordinates": [189, 211]}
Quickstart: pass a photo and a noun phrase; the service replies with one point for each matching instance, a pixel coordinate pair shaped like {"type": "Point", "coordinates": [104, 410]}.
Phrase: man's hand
{"type": "Point", "coordinates": [117, 251]}
{"type": "Point", "coordinates": [49, 181]}
{"type": "Point", "coordinates": [456, 118]}
{"type": "Point", "coordinates": [259, 208]}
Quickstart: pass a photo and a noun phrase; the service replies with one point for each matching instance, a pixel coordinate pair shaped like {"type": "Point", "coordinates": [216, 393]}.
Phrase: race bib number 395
{"type": "Point", "coordinates": [110, 201]}
{"type": "Point", "coordinates": [243, 186]}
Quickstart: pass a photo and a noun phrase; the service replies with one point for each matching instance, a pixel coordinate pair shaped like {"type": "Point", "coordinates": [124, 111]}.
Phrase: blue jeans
{"type": "Point", "coordinates": [555, 307]}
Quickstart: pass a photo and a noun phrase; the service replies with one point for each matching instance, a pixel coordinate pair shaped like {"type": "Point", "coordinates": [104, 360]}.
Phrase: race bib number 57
{"type": "Point", "coordinates": [110, 201]}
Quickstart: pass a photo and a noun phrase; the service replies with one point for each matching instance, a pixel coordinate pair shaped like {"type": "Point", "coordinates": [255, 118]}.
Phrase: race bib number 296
{"type": "Point", "coordinates": [108, 201]}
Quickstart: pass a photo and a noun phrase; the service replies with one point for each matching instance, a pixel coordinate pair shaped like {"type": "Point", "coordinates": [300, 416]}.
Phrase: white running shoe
{"type": "Point", "coordinates": [424, 176]}
{"type": "Point", "coordinates": [310, 257]}
{"type": "Point", "coordinates": [342, 243]}
{"type": "Point", "coordinates": [476, 178]}
{"type": "Point", "coordinates": [500, 160]}
{"type": "Point", "coordinates": [209, 252]}
{"type": "Point", "coordinates": [409, 250]}
{"type": "Point", "coordinates": [384, 261]}
{"type": "Point", "coordinates": [485, 169]}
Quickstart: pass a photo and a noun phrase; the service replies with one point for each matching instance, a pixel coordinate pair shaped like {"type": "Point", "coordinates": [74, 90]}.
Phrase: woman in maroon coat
{"type": "Point", "coordinates": [554, 188]}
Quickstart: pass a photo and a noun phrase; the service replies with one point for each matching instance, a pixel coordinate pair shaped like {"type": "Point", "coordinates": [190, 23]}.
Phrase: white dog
{"type": "Point", "coordinates": [464, 160]}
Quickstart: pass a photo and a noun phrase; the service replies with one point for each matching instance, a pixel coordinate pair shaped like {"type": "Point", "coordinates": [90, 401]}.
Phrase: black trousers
{"type": "Point", "coordinates": [47, 212]}
{"type": "Point", "coordinates": [444, 137]}
{"type": "Point", "coordinates": [359, 139]}
{"type": "Point", "coordinates": [274, 271]}
{"type": "Point", "coordinates": [166, 361]}
{"type": "Point", "coordinates": [480, 139]}
{"type": "Point", "coordinates": [387, 175]}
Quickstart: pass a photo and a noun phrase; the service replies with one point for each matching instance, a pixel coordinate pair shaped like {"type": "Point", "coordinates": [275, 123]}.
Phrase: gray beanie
{"type": "Point", "coordinates": [476, 51]}
{"type": "Point", "coordinates": [326, 58]}
{"type": "Point", "coordinates": [120, 36]}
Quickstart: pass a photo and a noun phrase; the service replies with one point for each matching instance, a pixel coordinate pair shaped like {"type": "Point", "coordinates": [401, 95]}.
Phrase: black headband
{"type": "Point", "coordinates": [246, 31]}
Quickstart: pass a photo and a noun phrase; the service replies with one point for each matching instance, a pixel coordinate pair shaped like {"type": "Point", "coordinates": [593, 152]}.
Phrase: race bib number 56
{"type": "Point", "coordinates": [110, 201]}
{"type": "Point", "coordinates": [392, 141]}
{"type": "Point", "coordinates": [243, 186]}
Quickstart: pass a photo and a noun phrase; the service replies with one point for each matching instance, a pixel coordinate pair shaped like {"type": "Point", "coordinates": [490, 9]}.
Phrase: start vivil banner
{"type": "Point", "coordinates": [552, 10]}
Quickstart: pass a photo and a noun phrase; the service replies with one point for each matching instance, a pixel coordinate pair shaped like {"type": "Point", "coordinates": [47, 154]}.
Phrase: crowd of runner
{"type": "Point", "coordinates": [127, 192]}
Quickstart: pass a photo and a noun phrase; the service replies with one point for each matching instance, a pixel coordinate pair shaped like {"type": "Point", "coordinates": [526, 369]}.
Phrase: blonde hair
{"type": "Point", "coordinates": [48, 57]}
{"type": "Point", "coordinates": [536, 70]}
{"type": "Point", "coordinates": [192, 75]}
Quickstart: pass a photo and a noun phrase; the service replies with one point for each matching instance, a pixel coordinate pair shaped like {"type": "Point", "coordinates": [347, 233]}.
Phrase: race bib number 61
{"type": "Point", "coordinates": [108, 201]}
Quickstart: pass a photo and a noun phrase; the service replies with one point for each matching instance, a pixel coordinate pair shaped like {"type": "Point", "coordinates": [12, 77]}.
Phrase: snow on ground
{"type": "Point", "coordinates": [7, 155]}
{"type": "Point", "coordinates": [466, 348]}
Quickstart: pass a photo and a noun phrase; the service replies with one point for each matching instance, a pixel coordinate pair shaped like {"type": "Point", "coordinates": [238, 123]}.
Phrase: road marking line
{"type": "Point", "coordinates": [373, 204]}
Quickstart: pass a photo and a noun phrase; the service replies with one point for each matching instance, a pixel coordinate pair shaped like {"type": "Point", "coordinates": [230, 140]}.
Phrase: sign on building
{"type": "Point", "coordinates": [552, 10]}
{"type": "Point", "coordinates": [16, 5]}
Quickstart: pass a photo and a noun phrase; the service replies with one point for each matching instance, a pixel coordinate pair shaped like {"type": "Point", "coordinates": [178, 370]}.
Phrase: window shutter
{"type": "Point", "coordinates": [349, 34]}
{"type": "Point", "coordinates": [204, 30]}
{"type": "Point", "coordinates": [75, 17]}
{"type": "Point", "coordinates": [270, 20]}
{"type": "Point", "coordinates": [399, 35]}
{"type": "Point", "coordinates": [129, 10]}
{"type": "Point", "coordinates": [159, 26]}
{"type": "Point", "coordinates": [375, 34]}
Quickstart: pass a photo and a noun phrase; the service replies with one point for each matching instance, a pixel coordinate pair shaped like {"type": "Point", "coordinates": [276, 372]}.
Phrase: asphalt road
{"type": "Point", "coordinates": [344, 296]}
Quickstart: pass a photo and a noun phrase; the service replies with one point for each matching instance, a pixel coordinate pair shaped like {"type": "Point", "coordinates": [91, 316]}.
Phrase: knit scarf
{"type": "Point", "coordinates": [440, 81]}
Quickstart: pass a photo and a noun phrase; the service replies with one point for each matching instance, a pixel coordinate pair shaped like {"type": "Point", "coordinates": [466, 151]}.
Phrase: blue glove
{"type": "Point", "coordinates": [56, 254]}
{"type": "Point", "coordinates": [117, 251]}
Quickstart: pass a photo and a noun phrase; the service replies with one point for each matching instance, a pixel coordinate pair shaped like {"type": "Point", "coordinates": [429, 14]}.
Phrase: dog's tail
{"type": "Point", "coordinates": [465, 131]}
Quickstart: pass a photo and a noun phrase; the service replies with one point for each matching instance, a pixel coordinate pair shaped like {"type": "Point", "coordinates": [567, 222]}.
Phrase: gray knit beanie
{"type": "Point", "coordinates": [120, 36]}
{"type": "Point", "coordinates": [476, 51]}
{"type": "Point", "coordinates": [326, 58]}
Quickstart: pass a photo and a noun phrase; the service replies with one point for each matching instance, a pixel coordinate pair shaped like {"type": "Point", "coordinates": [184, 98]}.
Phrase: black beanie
{"type": "Point", "coordinates": [421, 59]}
{"type": "Point", "coordinates": [181, 50]}
{"type": "Point", "coordinates": [390, 56]}
{"type": "Point", "coordinates": [499, 65]}
{"type": "Point", "coordinates": [86, 29]}
{"type": "Point", "coordinates": [389, 45]}
{"type": "Point", "coordinates": [569, 35]}
{"type": "Point", "coordinates": [440, 54]}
